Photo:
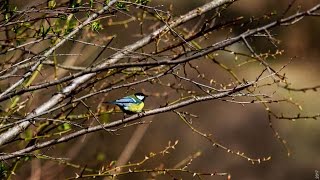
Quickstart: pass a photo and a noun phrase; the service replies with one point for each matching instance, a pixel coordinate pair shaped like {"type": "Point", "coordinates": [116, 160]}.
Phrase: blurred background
{"type": "Point", "coordinates": [243, 128]}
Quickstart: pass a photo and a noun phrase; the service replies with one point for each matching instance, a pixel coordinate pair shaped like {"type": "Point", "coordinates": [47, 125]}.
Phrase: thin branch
{"type": "Point", "coordinates": [68, 137]}
{"type": "Point", "coordinates": [13, 132]}
{"type": "Point", "coordinates": [90, 72]}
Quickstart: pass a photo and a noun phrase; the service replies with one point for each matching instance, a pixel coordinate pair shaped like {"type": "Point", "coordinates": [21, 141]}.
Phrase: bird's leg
{"type": "Point", "coordinates": [140, 114]}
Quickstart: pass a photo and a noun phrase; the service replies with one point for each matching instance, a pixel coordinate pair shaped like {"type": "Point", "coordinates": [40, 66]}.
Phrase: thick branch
{"type": "Point", "coordinates": [210, 49]}
{"type": "Point", "coordinates": [13, 132]}
{"type": "Point", "coordinates": [126, 120]}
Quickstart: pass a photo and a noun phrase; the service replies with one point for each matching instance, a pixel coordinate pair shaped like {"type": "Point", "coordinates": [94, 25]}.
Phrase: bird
{"type": "Point", "coordinates": [132, 104]}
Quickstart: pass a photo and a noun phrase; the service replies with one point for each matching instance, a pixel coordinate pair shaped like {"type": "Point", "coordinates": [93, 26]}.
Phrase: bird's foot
{"type": "Point", "coordinates": [140, 114]}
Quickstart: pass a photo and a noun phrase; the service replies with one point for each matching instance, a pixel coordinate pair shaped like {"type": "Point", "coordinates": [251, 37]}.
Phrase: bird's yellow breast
{"type": "Point", "coordinates": [136, 107]}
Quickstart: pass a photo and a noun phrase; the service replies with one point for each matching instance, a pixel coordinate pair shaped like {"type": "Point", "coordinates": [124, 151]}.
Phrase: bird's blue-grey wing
{"type": "Point", "coordinates": [125, 101]}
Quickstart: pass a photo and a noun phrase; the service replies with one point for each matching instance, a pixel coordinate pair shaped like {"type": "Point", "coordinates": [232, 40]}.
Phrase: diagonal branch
{"type": "Point", "coordinates": [206, 51]}
{"type": "Point", "coordinates": [51, 50]}
{"type": "Point", "coordinates": [120, 122]}
{"type": "Point", "coordinates": [14, 131]}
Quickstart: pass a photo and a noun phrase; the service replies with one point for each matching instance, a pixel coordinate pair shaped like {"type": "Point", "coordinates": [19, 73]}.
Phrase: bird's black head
{"type": "Point", "coordinates": [141, 96]}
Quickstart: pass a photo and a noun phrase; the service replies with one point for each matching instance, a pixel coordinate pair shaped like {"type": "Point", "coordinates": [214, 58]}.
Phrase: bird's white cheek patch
{"type": "Point", "coordinates": [140, 97]}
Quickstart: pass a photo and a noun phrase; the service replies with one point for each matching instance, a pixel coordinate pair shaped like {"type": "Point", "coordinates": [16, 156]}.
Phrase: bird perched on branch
{"type": "Point", "coordinates": [131, 104]}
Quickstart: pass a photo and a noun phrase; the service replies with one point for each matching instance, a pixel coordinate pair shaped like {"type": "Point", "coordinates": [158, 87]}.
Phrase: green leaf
{"type": "Point", "coordinates": [26, 158]}
{"type": "Point", "coordinates": [75, 4]}
{"type": "Point", "coordinates": [3, 170]}
{"type": "Point", "coordinates": [66, 126]}
{"type": "Point", "coordinates": [52, 4]}
{"type": "Point", "coordinates": [7, 17]}
{"type": "Point", "coordinates": [26, 24]}
{"type": "Point", "coordinates": [91, 3]}
{"type": "Point", "coordinates": [96, 26]}
{"type": "Point", "coordinates": [122, 6]}
{"type": "Point", "coordinates": [142, 2]}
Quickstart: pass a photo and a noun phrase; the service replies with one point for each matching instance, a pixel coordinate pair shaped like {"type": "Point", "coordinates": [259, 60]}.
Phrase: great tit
{"type": "Point", "coordinates": [131, 104]}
